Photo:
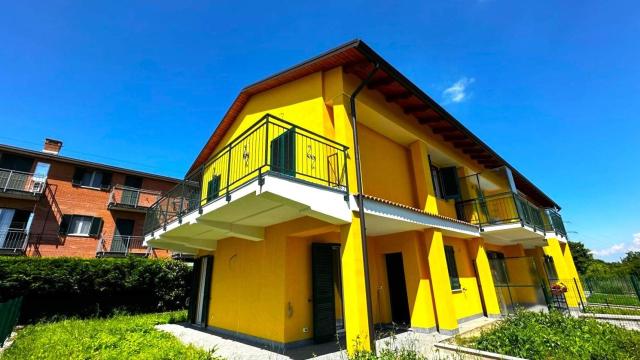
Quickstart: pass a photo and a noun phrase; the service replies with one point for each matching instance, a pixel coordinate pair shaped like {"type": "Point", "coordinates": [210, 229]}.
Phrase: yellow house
{"type": "Point", "coordinates": [336, 198]}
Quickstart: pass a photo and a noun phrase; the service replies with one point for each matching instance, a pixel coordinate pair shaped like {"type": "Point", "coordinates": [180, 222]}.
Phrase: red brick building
{"type": "Point", "coordinates": [52, 205]}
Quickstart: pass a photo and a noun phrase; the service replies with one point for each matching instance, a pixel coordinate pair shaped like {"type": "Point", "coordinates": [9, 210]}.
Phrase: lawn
{"type": "Point", "coordinates": [612, 310]}
{"type": "Point", "coordinates": [117, 337]}
{"type": "Point", "coordinates": [556, 336]}
{"type": "Point", "coordinates": [613, 299]}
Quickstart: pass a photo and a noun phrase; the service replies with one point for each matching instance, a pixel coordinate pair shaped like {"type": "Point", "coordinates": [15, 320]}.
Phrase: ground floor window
{"type": "Point", "coordinates": [452, 267]}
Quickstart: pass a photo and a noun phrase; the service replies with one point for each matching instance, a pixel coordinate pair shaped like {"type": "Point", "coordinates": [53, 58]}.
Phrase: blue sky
{"type": "Point", "coordinates": [553, 86]}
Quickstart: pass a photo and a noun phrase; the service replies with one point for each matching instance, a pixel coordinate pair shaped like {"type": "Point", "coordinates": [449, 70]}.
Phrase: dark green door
{"type": "Point", "coordinates": [324, 316]}
{"type": "Point", "coordinates": [283, 153]}
{"type": "Point", "coordinates": [123, 234]}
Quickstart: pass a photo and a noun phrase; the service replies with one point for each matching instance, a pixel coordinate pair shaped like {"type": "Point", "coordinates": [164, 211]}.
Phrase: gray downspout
{"type": "Point", "coordinates": [360, 201]}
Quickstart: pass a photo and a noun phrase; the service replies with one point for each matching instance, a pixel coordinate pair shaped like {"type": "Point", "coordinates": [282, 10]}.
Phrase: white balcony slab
{"type": "Point", "coordinates": [251, 208]}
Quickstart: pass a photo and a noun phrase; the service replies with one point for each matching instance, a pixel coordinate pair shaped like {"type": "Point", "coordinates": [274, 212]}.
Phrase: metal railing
{"type": "Point", "coordinates": [271, 145]}
{"type": "Point", "coordinates": [122, 244]}
{"type": "Point", "coordinates": [12, 180]}
{"type": "Point", "coordinates": [9, 315]}
{"type": "Point", "coordinates": [128, 197]}
{"type": "Point", "coordinates": [15, 240]}
{"type": "Point", "coordinates": [499, 209]}
{"type": "Point", "coordinates": [553, 222]}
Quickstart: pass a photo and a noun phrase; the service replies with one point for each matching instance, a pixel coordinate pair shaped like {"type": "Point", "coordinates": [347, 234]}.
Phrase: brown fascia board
{"type": "Point", "coordinates": [312, 65]}
{"type": "Point", "coordinates": [84, 163]}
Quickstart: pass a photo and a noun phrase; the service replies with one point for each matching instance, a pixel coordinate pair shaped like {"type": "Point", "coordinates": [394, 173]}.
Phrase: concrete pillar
{"type": "Point", "coordinates": [440, 285]}
{"type": "Point", "coordinates": [422, 316]}
{"type": "Point", "coordinates": [485, 278]}
{"type": "Point", "coordinates": [554, 250]}
{"type": "Point", "coordinates": [356, 317]}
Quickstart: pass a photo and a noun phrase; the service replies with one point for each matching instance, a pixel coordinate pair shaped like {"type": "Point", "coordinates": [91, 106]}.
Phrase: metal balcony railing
{"type": "Point", "coordinates": [271, 145]}
{"type": "Point", "coordinates": [553, 222]}
{"type": "Point", "coordinates": [14, 240]}
{"type": "Point", "coordinates": [122, 245]}
{"type": "Point", "coordinates": [18, 181]}
{"type": "Point", "coordinates": [127, 197]}
{"type": "Point", "coordinates": [505, 208]}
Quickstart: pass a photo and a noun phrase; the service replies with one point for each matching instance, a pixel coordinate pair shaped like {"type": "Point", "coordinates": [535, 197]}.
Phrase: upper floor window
{"type": "Point", "coordinates": [446, 184]}
{"type": "Point", "coordinates": [15, 162]}
{"type": "Point", "coordinates": [92, 178]}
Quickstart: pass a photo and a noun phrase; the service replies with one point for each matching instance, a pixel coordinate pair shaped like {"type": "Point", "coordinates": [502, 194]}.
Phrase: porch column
{"type": "Point", "coordinates": [356, 317]}
{"type": "Point", "coordinates": [423, 181]}
{"type": "Point", "coordinates": [422, 315]}
{"type": "Point", "coordinates": [571, 268]}
{"type": "Point", "coordinates": [485, 278]}
{"type": "Point", "coordinates": [554, 250]}
{"type": "Point", "coordinates": [440, 285]}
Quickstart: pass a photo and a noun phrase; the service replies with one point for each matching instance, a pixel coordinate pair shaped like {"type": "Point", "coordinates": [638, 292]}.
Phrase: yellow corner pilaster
{"type": "Point", "coordinates": [554, 250]}
{"type": "Point", "coordinates": [424, 184]}
{"type": "Point", "coordinates": [571, 268]}
{"type": "Point", "coordinates": [485, 278]}
{"type": "Point", "coordinates": [354, 288]}
{"type": "Point", "coordinates": [422, 316]}
{"type": "Point", "coordinates": [440, 285]}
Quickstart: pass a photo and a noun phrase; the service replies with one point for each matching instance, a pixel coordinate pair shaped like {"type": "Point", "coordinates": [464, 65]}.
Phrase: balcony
{"type": "Point", "coordinates": [131, 199]}
{"type": "Point", "coordinates": [21, 185]}
{"type": "Point", "coordinates": [505, 218]}
{"type": "Point", "coordinates": [272, 172]}
{"type": "Point", "coordinates": [122, 245]}
{"type": "Point", "coordinates": [13, 242]}
{"type": "Point", "coordinates": [553, 223]}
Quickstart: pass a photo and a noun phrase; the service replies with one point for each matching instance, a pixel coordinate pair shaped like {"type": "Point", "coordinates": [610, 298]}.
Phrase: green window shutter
{"type": "Point", "coordinates": [450, 183]}
{"type": "Point", "coordinates": [213, 188]}
{"type": "Point", "coordinates": [96, 226]}
{"type": "Point", "coordinates": [64, 224]}
{"type": "Point", "coordinates": [452, 267]}
{"type": "Point", "coordinates": [283, 153]}
{"type": "Point", "coordinates": [77, 176]}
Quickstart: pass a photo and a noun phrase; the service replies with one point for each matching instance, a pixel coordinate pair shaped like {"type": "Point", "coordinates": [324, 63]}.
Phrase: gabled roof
{"type": "Point", "coordinates": [359, 59]}
{"type": "Point", "coordinates": [84, 163]}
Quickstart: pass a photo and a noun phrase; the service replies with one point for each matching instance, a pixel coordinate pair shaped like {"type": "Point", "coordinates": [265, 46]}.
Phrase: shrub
{"type": "Point", "coordinates": [553, 335]}
{"type": "Point", "coordinates": [61, 287]}
{"type": "Point", "coordinates": [117, 337]}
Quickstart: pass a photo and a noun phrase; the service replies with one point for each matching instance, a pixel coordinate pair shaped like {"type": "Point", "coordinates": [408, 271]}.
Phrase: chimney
{"type": "Point", "coordinates": [52, 146]}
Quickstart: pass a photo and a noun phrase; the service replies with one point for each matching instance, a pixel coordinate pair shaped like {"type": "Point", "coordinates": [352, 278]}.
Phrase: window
{"type": "Point", "coordinates": [80, 225]}
{"type": "Point", "coordinates": [550, 267]}
{"type": "Point", "coordinates": [15, 162]}
{"type": "Point", "coordinates": [92, 178]}
{"type": "Point", "coordinates": [452, 267]}
{"type": "Point", "coordinates": [283, 153]}
{"type": "Point", "coordinates": [445, 182]}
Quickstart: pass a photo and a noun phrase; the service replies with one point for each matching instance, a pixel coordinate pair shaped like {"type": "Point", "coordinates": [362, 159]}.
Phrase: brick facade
{"type": "Point", "coordinates": [62, 197]}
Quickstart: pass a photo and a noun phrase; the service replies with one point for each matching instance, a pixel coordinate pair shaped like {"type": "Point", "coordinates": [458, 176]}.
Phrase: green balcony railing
{"type": "Point", "coordinates": [500, 209]}
{"type": "Point", "coordinates": [269, 146]}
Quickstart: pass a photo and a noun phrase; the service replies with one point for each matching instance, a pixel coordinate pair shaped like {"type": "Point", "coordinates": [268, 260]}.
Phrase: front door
{"type": "Point", "coordinates": [203, 268]}
{"type": "Point", "coordinates": [397, 290]}
{"type": "Point", "coordinates": [324, 309]}
{"type": "Point", "coordinates": [123, 235]}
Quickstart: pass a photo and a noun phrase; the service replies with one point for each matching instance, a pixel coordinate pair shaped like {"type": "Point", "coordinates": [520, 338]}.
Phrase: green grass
{"type": "Point", "coordinates": [611, 310]}
{"type": "Point", "coordinates": [556, 336]}
{"type": "Point", "coordinates": [613, 299]}
{"type": "Point", "coordinates": [117, 337]}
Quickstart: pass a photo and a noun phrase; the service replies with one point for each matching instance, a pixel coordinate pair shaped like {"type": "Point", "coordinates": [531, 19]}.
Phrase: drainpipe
{"type": "Point", "coordinates": [360, 202]}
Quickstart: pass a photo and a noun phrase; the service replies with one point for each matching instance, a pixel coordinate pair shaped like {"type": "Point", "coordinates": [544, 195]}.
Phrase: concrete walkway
{"type": "Point", "coordinates": [233, 349]}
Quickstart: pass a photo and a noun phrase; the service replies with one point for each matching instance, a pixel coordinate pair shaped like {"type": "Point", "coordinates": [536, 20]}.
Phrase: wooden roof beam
{"type": "Point", "coordinates": [416, 108]}
{"type": "Point", "coordinates": [399, 96]}
{"type": "Point", "coordinates": [444, 130]}
{"type": "Point", "coordinates": [387, 80]}
{"type": "Point", "coordinates": [354, 67]}
{"type": "Point", "coordinates": [481, 156]}
{"type": "Point", "coordinates": [454, 137]}
{"type": "Point", "coordinates": [464, 144]}
{"type": "Point", "coordinates": [429, 120]}
{"type": "Point", "coordinates": [475, 150]}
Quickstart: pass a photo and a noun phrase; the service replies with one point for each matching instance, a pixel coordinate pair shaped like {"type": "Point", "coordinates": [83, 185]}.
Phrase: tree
{"type": "Point", "coordinates": [582, 256]}
{"type": "Point", "coordinates": [631, 262]}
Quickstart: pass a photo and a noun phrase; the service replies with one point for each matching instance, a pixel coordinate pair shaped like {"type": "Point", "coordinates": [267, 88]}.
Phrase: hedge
{"type": "Point", "coordinates": [73, 287]}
